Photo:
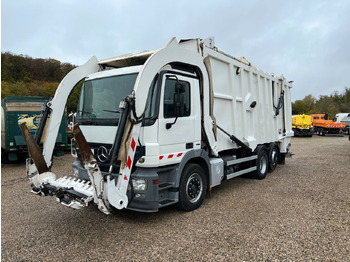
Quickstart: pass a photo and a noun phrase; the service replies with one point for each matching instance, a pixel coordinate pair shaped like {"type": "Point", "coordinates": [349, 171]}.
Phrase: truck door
{"type": "Point", "coordinates": [177, 135]}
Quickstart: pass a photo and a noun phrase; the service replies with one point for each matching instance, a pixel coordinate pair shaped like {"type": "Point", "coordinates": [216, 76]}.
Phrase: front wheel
{"type": "Point", "coordinates": [193, 187]}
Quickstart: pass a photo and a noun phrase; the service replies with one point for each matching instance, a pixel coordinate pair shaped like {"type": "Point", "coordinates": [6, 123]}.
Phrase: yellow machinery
{"type": "Point", "coordinates": [302, 125]}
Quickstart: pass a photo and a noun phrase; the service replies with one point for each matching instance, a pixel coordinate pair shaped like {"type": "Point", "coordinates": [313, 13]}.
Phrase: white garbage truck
{"type": "Point", "coordinates": [163, 127]}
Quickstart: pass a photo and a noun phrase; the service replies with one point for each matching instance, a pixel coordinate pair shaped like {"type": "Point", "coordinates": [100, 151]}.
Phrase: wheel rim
{"type": "Point", "coordinates": [263, 164]}
{"type": "Point", "coordinates": [194, 187]}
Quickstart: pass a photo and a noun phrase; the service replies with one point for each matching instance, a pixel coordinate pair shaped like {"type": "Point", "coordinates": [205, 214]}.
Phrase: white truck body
{"type": "Point", "coordinates": [193, 116]}
{"type": "Point", "coordinates": [340, 116]}
{"type": "Point", "coordinates": [344, 118]}
{"type": "Point", "coordinates": [236, 86]}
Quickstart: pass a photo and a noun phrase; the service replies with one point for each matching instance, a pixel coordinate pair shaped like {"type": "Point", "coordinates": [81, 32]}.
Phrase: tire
{"type": "Point", "coordinates": [262, 163]}
{"type": "Point", "coordinates": [193, 187]}
{"type": "Point", "coordinates": [318, 132]}
{"type": "Point", "coordinates": [273, 156]}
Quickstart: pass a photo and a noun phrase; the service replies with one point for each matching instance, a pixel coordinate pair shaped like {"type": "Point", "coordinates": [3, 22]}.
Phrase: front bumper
{"type": "Point", "coordinates": [141, 201]}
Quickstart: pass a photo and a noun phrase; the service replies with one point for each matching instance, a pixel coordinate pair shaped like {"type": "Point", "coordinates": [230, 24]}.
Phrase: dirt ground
{"type": "Point", "coordinates": [301, 211]}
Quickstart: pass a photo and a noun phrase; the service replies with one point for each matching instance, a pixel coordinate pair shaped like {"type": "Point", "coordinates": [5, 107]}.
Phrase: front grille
{"type": "Point", "coordinates": [104, 166]}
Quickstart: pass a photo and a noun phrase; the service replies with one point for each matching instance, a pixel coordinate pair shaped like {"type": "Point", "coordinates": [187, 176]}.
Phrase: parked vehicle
{"type": "Point", "coordinates": [16, 110]}
{"type": "Point", "coordinates": [164, 127]}
{"type": "Point", "coordinates": [302, 125]}
{"type": "Point", "coordinates": [344, 118]}
{"type": "Point", "coordinates": [340, 116]}
{"type": "Point", "coordinates": [323, 126]}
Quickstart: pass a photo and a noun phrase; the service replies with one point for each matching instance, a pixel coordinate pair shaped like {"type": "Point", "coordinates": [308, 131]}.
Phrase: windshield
{"type": "Point", "coordinates": [100, 98]}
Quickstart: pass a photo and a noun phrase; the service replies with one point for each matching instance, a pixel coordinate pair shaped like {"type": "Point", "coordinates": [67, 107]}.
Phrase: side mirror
{"type": "Point", "coordinates": [179, 101]}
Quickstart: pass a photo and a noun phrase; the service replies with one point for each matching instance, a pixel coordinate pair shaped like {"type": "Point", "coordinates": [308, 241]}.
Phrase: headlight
{"type": "Point", "coordinates": [139, 184]}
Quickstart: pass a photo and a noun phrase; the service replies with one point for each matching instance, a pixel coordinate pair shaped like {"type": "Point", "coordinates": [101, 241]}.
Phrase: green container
{"type": "Point", "coordinates": [18, 109]}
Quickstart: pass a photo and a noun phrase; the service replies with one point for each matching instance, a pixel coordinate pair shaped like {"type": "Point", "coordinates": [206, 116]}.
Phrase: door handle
{"type": "Point", "coordinates": [189, 145]}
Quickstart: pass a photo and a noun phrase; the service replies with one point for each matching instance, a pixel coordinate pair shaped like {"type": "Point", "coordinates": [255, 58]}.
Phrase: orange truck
{"type": "Point", "coordinates": [323, 126]}
{"type": "Point", "coordinates": [302, 125]}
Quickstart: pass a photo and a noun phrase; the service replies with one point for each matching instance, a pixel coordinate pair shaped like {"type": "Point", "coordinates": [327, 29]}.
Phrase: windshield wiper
{"type": "Point", "coordinates": [112, 111]}
{"type": "Point", "coordinates": [91, 115]}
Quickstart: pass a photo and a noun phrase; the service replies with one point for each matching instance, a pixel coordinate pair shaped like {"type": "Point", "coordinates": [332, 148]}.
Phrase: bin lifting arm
{"type": "Point", "coordinates": [59, 102]}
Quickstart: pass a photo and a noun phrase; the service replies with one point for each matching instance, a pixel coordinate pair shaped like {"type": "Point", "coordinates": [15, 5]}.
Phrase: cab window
{"type": "Point", "coordinates": [169, 91]}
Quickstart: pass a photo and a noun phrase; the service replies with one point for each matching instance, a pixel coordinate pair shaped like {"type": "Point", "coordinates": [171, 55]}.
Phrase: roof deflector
{"type": "Point", "coordinates": [127, 60]}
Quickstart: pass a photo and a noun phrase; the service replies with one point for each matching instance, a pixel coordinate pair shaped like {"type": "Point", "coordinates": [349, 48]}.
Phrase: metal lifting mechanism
{"type": "Point", "coordinates": [236, 140]}
{"type": "Point", "coordinates": [71, 192]}
{"type": "Point", "coordinates": [124, 112]}
{"type": "Point", "coordinates": [280, 105]}
{"type": "Point", "coordinates": [44, 182]}
{"type": "Point", "coordinates": [46, 112]}
{"type": "Point", "coordinates": [77, 193]}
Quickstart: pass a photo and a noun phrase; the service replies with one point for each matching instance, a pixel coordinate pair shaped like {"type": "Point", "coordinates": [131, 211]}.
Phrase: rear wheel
{"type": "Point", "coordinates": [320, 132]}
{"type": "Point", "coordinates": [193, 187]}
{"type": "Point", "coordinates": [262, 163]}
{"type": "Point", "coordinates": [273, 156]}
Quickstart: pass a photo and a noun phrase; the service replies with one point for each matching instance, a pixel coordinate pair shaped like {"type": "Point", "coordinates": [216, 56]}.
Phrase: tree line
{"type": "Point", "coordinates": [26, 76]}
{"type": "Point", "coordinates": [337, 102]}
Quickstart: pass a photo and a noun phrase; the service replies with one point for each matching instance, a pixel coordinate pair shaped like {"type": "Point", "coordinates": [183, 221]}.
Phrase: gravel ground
{"type": "Point", "coordinates": [301, 211]}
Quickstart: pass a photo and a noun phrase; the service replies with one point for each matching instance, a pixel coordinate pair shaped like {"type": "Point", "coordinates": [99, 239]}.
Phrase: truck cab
{"type": "Point", "coordinates": [165, 136]}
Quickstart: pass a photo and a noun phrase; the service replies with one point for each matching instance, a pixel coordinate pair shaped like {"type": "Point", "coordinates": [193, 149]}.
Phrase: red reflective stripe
{"type": "Point", "coordinates": [133, 144]}
{"type": "Point", "coordinates": [129, 162]}
{"type": "Point", "coordinates": [125, 177]}
{"type": "Point", "coordinates": [171, 156]}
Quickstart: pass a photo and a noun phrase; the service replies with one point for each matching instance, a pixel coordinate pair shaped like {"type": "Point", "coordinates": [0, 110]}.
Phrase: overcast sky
{"type": "Point", "coordinates": [308, 41]}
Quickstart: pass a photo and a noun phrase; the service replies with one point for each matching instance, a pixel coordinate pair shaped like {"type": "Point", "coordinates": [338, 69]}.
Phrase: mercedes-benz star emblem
{"type": "Point", "coordinates": [102, 154]}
